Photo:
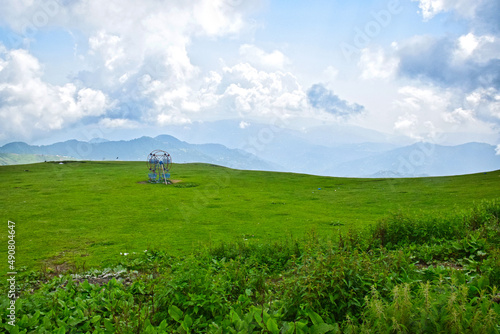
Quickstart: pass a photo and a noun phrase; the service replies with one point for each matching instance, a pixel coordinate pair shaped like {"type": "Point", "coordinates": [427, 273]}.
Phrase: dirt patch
{"type": "Point", "coordinates": [169, 182]}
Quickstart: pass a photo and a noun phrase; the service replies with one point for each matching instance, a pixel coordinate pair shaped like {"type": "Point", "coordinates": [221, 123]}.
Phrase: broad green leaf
{"type": "Point", "coordinates": [257, 315]}
{"type": "Point", "coordinates": [109, 326]}
{"type": "Point", "coordinates": [315, 317]}
{"type": "Point", "coordinates": [95, 319]}
{"type": "Point", "coordinates": [322, 328]}
{"type": "Point", "coordinates": [188, 321]}
{"type": "Point", "coordinates": [61, 330]}
{"type": "Point", "coordinates": [175, 313]}
{"type": "Point", "coordinates": [235, 318]}
{"type": "Point", "coordinates": [272, 326]}
{"type": "Point", "coordinates": [163, 325]}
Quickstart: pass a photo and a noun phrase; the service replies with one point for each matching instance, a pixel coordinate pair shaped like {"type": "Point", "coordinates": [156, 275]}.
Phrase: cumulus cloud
{"type": "Point", "coordinates": [465, 8]}
{"type": "Point", "coordinates": [469, 61]}
{"type": "Point", "coordinates": [30, 105]}
{"type": "Point", "coordinates": [483, 15]}
{"type": "Point", "coordinates": [108, 46]}
{"type": "Point", "coordinates": [375, 63]}
{"type": "Point", "coordinates": [435, 60]}
{"type": "Point", "coordinates": [454, 77]}
{"type": "Point", "coordinates": [119, 123]}
{"type": "Point", "coordinates": [251, 91]}
{"type": "Point", "coordinates": [406, 123]}
{"type": "Point", "coordinates": [429, 110]}
{"type": "Point", "coordinates": [416, 127]}
{"type": "Point", "coordinates": [138, 52]}
{"type": "Point", "coordinates": [258, 57]}
{"type": "Point", "coordinates": [486, 103]}
{"type": "Point", "coordinates": [322, 98]}
{"type": "Point", "coordinates": [419, 99]}
{"type": "Point", "coordinates": [244, 125]}
{"type": "Point", "coordinates": [458, 116]}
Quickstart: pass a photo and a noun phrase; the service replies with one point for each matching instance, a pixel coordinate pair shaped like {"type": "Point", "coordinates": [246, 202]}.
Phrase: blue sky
{"type": "Point", "coordinates": [428, 70]}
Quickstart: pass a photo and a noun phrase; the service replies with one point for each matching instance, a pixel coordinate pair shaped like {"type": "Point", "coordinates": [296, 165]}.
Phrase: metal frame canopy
{"type": "Point", "coordinates": [159, 164]}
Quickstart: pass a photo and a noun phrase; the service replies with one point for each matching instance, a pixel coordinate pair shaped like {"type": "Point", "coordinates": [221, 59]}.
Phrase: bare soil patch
{"type": "Point", "coordinates": [171, 181]}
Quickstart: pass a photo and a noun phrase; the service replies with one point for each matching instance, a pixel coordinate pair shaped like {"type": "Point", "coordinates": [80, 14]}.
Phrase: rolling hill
{"type": "Point", "coordinates": [91, 211]}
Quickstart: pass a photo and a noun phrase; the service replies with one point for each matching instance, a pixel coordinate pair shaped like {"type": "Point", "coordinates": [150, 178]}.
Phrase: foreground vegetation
{"type": "Point", "coordinates": [407, 273]}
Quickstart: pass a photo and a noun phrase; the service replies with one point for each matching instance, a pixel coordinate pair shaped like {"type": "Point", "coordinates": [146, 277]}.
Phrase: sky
{"type": "Point", "coordinates": [428, 70]}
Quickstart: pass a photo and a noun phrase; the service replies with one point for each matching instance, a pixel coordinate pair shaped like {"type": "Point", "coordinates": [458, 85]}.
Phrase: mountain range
{"type": "Point", "coordinates": [283, 151]}
{"type": "Point", "coordinates": [138, 150]}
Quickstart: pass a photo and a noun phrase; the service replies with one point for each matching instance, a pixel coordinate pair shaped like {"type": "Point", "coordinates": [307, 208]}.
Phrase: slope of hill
{"type": "Point", "coordinates": [18, 159]}
{"type": "Point", "coordinates": [225, 249]}
{"type": "Point", "coordinates": [107, 205]}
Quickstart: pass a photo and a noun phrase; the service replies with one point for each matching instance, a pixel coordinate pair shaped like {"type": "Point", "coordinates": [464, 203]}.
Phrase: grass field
{"type": "Point", "coordinates": [84, 214]}
{"type": "Point", "coordinates": [233, 251]}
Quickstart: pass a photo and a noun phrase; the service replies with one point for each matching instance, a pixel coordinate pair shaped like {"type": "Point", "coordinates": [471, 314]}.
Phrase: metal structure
{"type": "Point", "coordinates": [159, 163]}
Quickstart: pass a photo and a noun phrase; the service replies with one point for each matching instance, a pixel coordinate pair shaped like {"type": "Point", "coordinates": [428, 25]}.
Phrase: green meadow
{"type": "Point", "coordinates": [101, 250]}
{"type": "Point", "coordinates": [84, 214]}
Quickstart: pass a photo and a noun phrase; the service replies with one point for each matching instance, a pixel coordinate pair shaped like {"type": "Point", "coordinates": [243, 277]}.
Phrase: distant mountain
{"type": "Point", "coordinates": [314, 152]}
{"type": "Point", "coordinates": [282, 151]}
{"type": "Point", "coordinates": [423, 159]}
{"type": "Point", "coordinates": [138, 149]}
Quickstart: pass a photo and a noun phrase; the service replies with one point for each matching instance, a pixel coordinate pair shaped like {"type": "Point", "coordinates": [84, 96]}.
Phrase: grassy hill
{"type": "Point", "coordinates": [17, 159]}
{"type": "Point", "coordinates": [85, 214]}
{"type": "Point", "coordinates": [233, 251]}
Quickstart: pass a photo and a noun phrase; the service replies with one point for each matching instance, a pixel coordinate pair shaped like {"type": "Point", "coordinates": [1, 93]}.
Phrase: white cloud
{"type": "Point", "coordinates": [259, 93]}
{"type": "Point", "coordinates": [244, 125]}
{"type": "Point", "coordinates": [376, 64]}
{"type": "Point", "coordinates": [486, 103]}
{"type": "Point", "coordinates": [30, 105]}
{"type": "Point", "coordinates": [459, 115]}
{"type": "Point", "coordinates": [108, 46]}
{"type": "Point", "coordinates": [406, 124]}
{"type": "Point", "coordinates": [171, 119]}
{"type": "Point", "coordinates": [497, 150]}
{"type": "Point", "coordinates": [423, 99]}
{"type": "Point", "coordinates": [465, 8]}
{"type": "Point", "coordinates": [258, 57]}
{"type": "Point", "coordinates": [121, 123]}
{"type": "Point", "coordinates": [481, 48]}
{"type": "Point", "coordinates": [428, 110]}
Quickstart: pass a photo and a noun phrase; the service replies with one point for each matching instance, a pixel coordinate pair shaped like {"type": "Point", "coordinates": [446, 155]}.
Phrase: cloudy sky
{"type": "Point", "coordinates": [425, 69]}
